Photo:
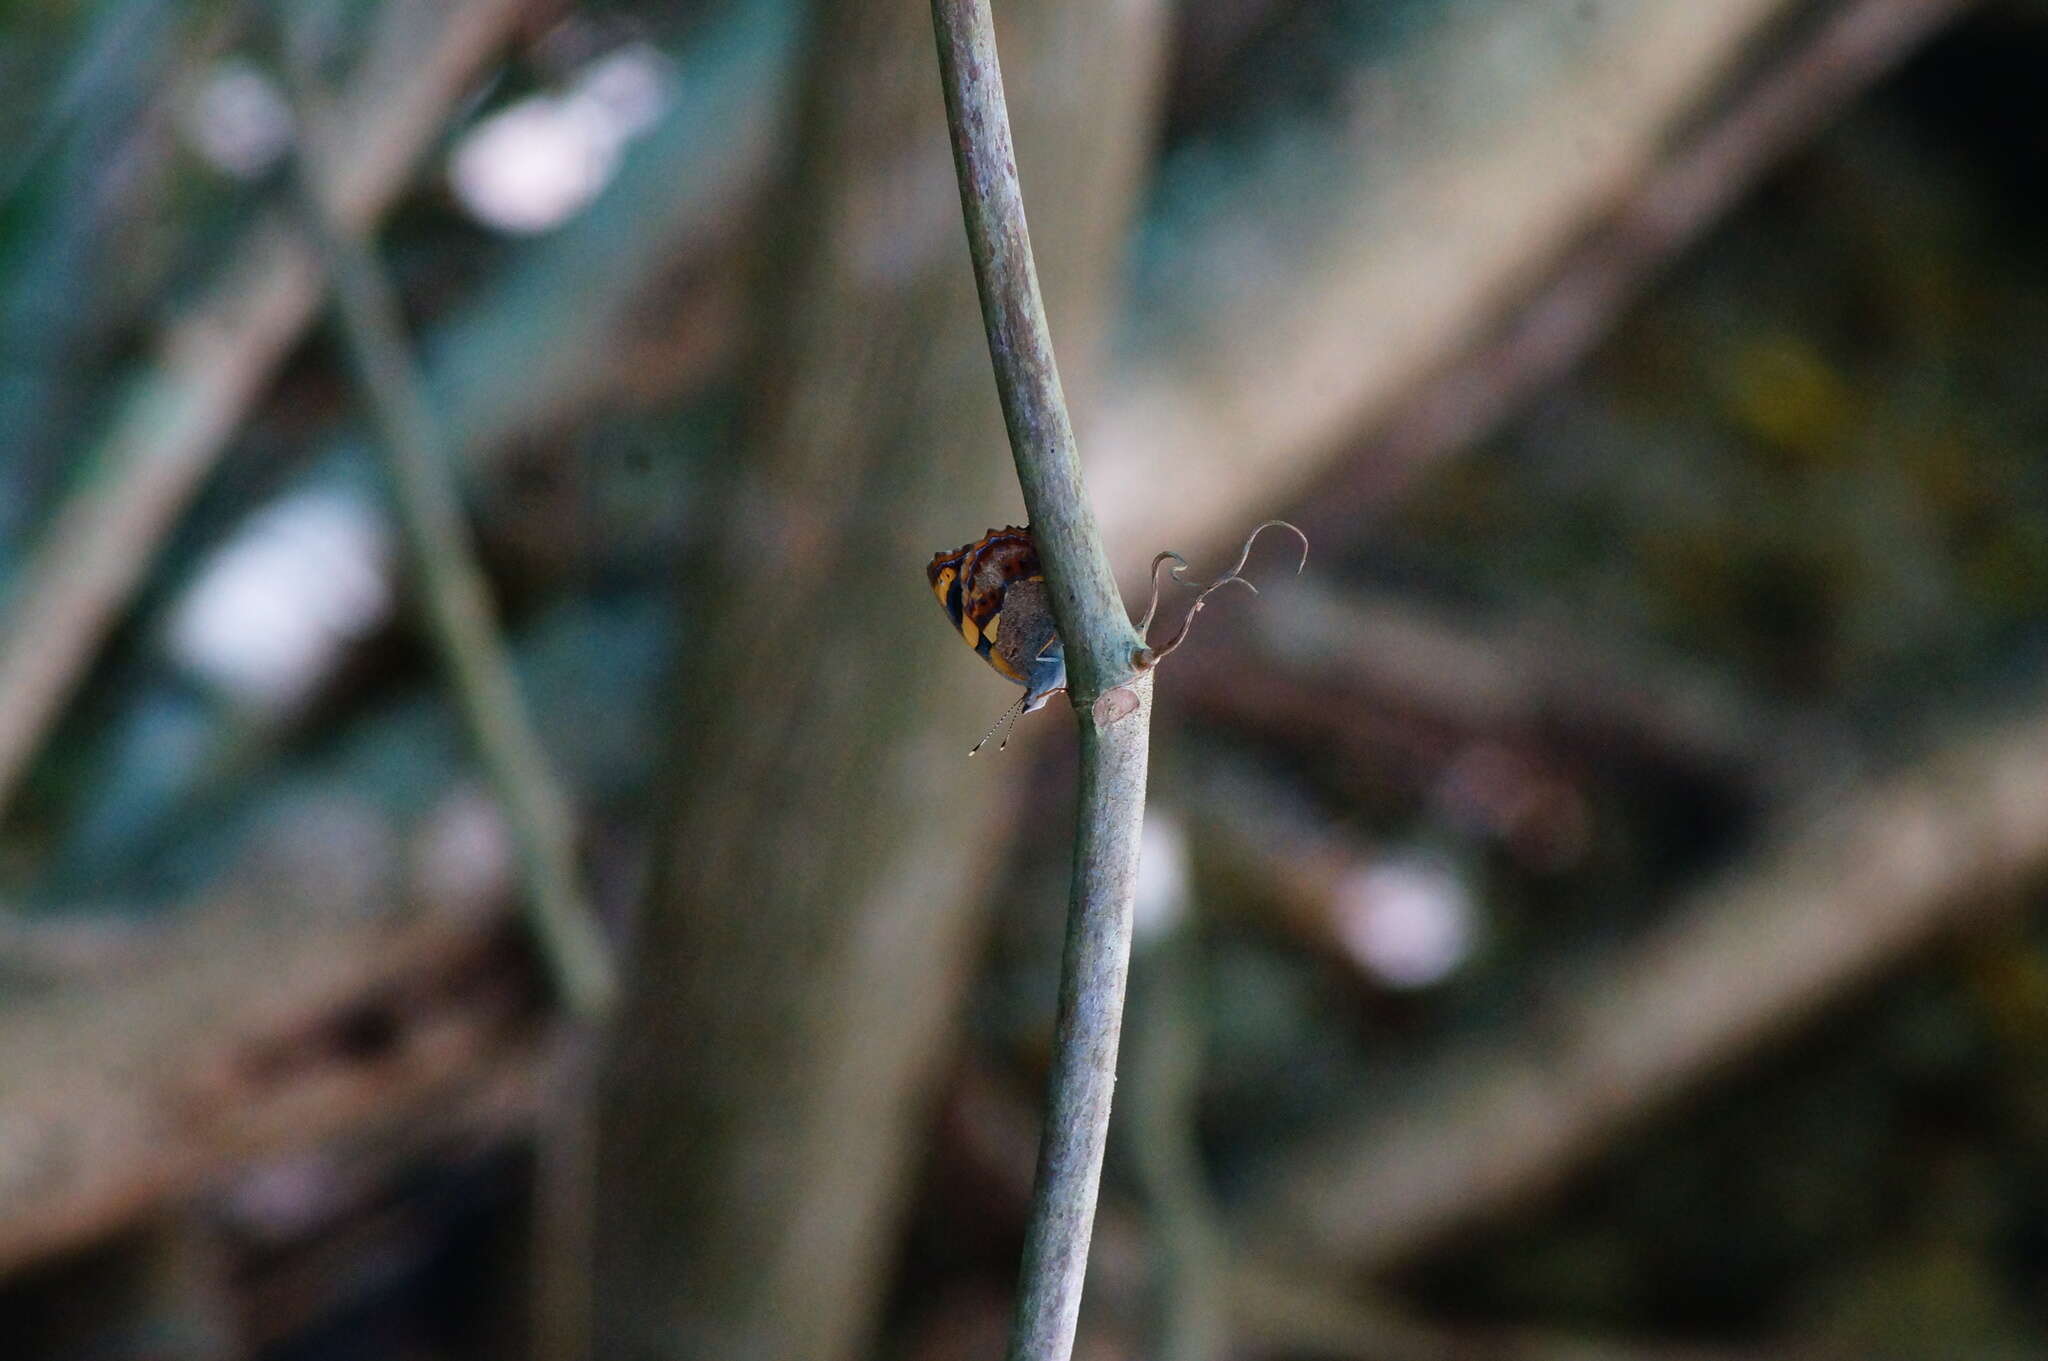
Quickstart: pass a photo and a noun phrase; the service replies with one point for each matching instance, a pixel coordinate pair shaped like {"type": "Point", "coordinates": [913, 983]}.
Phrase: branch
{"type": "Point", "coordinates": [1111, 701]}
{"type": "Point", "coordinates": [1482, 150]}
{"type": "Point", "coordinates": [1850, 50]}
{"type": "Point", "coordinates": [1406, 684]}
{"type": "Point", "coordinates": [211, 365]}
{"type": "Point", "coordinates": [459, 610]}
{"type": "Point", "coordinates": [237, 1034]}
{"type": "Point", "coordinates": [1881, 873]}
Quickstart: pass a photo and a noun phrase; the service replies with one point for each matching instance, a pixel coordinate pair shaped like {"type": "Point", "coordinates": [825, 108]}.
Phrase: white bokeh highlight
{"type": "Point", "coordinates": [1409, 921]}
{"type": "Point", "coordinates": [537, 163]}
{"type": "Point", "coordinates": [271, 611]}
{"type": "Point", "coordinates": [238, 121]}
{"type": "Point", "coordinates": [1162, 898]}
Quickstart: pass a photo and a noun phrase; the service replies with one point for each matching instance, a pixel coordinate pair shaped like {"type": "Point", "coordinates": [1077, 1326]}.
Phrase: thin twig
{"type": "Point", "coordinates": [1112, 702]}
{"type": "Point", "coordinates": [457, 597]}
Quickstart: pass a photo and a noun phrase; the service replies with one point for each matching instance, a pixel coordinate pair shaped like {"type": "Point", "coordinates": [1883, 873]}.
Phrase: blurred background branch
{"type": "Point", "coordinates": [1447, 184]}
{"type": "Point", "coordinates": [1693, 184]}
{"type": "Point", "coordinates": [1608, 889]}
{"type": "Point", "coordinates": [236, 1036]}
{"type": "Point", "coordinates": [1879, 870]}
{"type": "Point", "coordinates": [209, 364]}
{"type": "Point", "coordinates": [452, 583]}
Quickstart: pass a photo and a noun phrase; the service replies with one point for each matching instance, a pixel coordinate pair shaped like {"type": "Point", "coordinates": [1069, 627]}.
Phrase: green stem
{"type": "Point", "coordinates": [461, 616]}
{"type": "Point", "coordinates": [1112, 700]}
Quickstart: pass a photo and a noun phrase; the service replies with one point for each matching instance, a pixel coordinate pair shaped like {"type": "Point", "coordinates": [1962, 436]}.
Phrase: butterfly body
{"type": "Point", "coordinates": [994, 592]}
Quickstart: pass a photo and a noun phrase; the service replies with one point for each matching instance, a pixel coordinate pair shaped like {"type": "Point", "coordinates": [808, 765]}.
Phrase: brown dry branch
{"type": "Point", "coordinates": [211, 363]}
{"type": "Point", "coordinates": [1885, 869]}
{"type": "Point", "coordinates": [820, 876]}
{"type": "Point", "coordinates": [1408, 686]}
{"type": "Point", "coordinates": [1844, 54]}
{"type": "Point", "coordinates": [239, 1035]}
{"type": "Point", "coordinates": [1462, 169]}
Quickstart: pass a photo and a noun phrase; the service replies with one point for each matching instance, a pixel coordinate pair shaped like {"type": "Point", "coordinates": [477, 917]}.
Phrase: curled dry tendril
{"type": "Point", "coordinates": [1149, 656]}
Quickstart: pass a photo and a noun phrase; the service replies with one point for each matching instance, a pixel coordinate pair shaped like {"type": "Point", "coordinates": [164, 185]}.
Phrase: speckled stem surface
{"type": "Point", "coordinates": [1112, 702]}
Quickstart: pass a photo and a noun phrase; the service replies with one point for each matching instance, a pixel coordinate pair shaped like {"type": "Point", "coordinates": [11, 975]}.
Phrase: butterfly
{"type": "Point", "coordinates": [994, 592]}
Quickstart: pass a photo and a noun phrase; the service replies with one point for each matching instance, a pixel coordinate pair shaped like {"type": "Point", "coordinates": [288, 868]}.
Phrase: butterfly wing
{"type": "Point", "coordinates": [972, 581]}
{"type": "Point", "coordinates": [944, 576]}
{"type": "Point", "coordinates": [993, 590]}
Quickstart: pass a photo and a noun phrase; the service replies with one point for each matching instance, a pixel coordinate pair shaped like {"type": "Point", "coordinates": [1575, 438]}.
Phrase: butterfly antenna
{"type": "Point", "coordinates": [1016, 713]}
{"type": "Point", "coordinates": [1011, 715]}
